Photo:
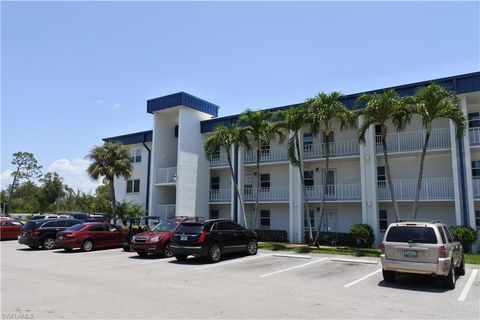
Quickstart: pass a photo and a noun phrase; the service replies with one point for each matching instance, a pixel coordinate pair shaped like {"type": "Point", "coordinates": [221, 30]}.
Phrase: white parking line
{"type": "Point", "coordinates": [467, 287]}
{"type": "Point", "coordinates": [291, 268]}
{"type": "Point", "coordinates": [233, 261]}
{"type": "Point", "coordinates": [362, 278]}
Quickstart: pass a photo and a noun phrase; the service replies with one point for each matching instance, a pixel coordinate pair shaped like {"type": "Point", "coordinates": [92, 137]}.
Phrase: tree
{"type": "Point", "coordinates": [225, 138]}
{"type": "Point", "coordinates": [260, 129]}
{"type": "Point", "coordinates": [323, 111]}
{"type": "Point", "coordinates": [110, 160]}
{"type": "Point", "coordinates": [127, 209]}
{"type": "Point", "coordinates": [26, 167]}
{"type": "Point", "coordinates": [435, 102]}
{"type": "Point", "coordinates": [52, 189]}
{"type": "Point", "coordinates": [26, 198]}
{"type": "Point", "coordinates": [379, 109]}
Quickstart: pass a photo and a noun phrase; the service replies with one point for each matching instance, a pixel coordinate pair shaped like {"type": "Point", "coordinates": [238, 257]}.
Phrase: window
{"type": "Point", "coordinates": [378, 130]}
{"type": "Point", "coordinates": [413, 234]}
{"type": "Point", "coordinates": [382, 219]}
{"type": "Point", "coordinates": [265, 180]}
{"type": "Point", "coordinates": [330, 177]}
{"type": "Point", "coordinates": [227, 226]}
{"type": "Point", "coordinates": [133, 186]}
{"type": "Point", "coordinates": [381, 177]}
{"type": "Point", "coordinates": [474, 119]}
{"type": "Point", "coordinates": [308, 178]}
{"type": "Point", "coordinates": [476, 169]}
{"type": "Point", "coordinates": [312, 220]}
{"type": "Point", "coordinates": [448, 234]}
{"type": "Point", "coordinates": [97, 228]}
{"type": "Point", "coordinates": [136, 156]}
{"type": "Point", "coordinates": [265, 150]}
{"type": "Point", "coordinates": [265, 219]}
{"type": "Point", "coordinates": [307, 142]}
{"type": "Point", "coordinates": [112, 228]}
{"type": "Point", "coordinates": [214, 214]}
{"type": "Point", "coordinates": [442, 235]}
{"type": "Point", "coordinates": [477, 218]}
{"type": "Point", "coordinates": [215, 183]}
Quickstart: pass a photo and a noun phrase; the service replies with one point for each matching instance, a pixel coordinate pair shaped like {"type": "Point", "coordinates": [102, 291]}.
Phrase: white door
{"type": "Point", "coordinates": [330, 221]}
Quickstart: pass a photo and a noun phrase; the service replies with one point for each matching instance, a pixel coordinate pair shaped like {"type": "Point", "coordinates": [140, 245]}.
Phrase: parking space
{"type": "Point", "coordinates": [114, 284]}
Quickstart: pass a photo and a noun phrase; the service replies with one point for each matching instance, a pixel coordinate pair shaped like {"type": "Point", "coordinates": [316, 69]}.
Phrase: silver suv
{"type": "Point", "coordinates": [422, 248]}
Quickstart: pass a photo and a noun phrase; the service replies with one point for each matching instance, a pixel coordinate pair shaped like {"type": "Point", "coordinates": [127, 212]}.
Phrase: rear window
{"type": "Point", "coordinates": [190, 228]}
{"type": "Point", "coordinates": [30, 225]}
{"type": "Point", "coordinates": [413, 234]}
{"type": "Point", "coordinates": [76, 227]}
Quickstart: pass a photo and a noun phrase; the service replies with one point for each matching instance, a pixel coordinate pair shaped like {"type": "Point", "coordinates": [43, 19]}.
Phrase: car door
{"type": "Point", "coordinates": [6, 230]}
{"type": "Point", "coordinates": [240, 237]}
{"type": "Point", "coordinates": [98, 234]}
{"type": "Point", "coordinates": [15, 228]}
{"type": "Point", "coordinates": [224, 233]}
{"type": "Point", "coordinates": [114, 236]}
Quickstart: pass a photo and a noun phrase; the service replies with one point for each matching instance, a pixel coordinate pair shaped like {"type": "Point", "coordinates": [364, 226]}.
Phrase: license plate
{"type": "Point", "coordinates": [183, 238]}
{"type": "Point", "coordinates": [410, 253]}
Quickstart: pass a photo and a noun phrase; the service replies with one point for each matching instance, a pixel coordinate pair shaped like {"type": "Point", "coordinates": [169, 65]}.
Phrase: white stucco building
{"type": "Point", "coordinates": [172, 176]}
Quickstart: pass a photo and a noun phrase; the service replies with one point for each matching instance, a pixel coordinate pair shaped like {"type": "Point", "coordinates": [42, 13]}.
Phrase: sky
{"type": "Point", "coordinates": [73, 73]}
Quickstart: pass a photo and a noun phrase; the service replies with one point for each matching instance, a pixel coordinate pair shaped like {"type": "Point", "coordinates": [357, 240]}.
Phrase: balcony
{"type": "Point", "coordinates": [219, 160]}
{"type": "Point", "coordinates": [220, 195]}
{"type": "Point", "coordinates": [335, 192]}
{"type": "Point", "coordinates": [413, 140]}
{"type": "Point", "coordinates": [337, 149]}
{"type": "Point", "coordinates": [166, 175]}
{"type": "Point", "coordinates": [476, 188]}
{"type": "Point", "coordinates": [165, 210]}
{"type": "Point", "coordinates": [474, 136]}
{"type": "Point", "coordinates": [267, 155]}
{"type": "Point", "coordinates": [267, 194]}
{"type": "Point", "coordinates": [432, 189]}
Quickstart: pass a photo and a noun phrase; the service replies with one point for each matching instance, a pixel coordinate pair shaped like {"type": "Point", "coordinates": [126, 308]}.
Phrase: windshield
{"type": "Point", "coordinates": [76, 227]}
{"type": "Point", "coordinates": [165, 225]}
{"type": "Point", "coordinates": [413, 234]}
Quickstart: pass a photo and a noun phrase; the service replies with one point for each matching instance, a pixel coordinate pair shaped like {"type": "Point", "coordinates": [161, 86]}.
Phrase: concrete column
{"type": "Point", "coordinates": [457, 182]}
{"type": "Point", "coordinates": [470, 221]}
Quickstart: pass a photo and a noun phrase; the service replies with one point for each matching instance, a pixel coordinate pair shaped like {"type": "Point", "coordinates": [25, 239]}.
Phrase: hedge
{"type": "Point", "coordinates": [466, 236]}
{"type": "Point", "coordinates": [333, 238]}
{"type": "Point", "coordinates": [268, 235]}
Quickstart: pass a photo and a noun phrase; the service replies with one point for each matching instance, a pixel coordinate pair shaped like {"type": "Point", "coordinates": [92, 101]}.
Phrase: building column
{"type": "Point", "coordinates": [457, 182]}
{"type": "Point", "coordinates": [296, 232]}
{"type": "Point", "coordinates": [470, 205]}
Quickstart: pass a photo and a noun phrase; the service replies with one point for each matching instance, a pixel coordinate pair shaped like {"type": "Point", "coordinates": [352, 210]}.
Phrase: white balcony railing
{"type": "Point", "coordinates": [476, 188]}
{"type": "Point", "coordinates": [267, 194]}
{"type": "Point", "coordinates": [166, 175]}
{"type": "Point", "coordinates": [432, 189]}
{"type": "Point", "coordinates": [474, 136]}
{"type": "Point", "coordinates": [267, 155]}
{"type": "Point", "coordinates": [413, 140]}
{"type": "Point", "coordinates": [218, 160]}
{"type": "Point", "coordinates": [220, 195]}
{"type": "Point", "coordinates": [337, 148]}
{"type": "Point", "coordinates": [335, 192]}
{"type": "Point", "coordinates": [165, 210]}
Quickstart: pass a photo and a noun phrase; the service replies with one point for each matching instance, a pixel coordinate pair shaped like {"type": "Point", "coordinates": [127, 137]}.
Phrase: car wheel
{"type": "Point", "coordinates": [126, 248]}
{"type": "Point", "coordinates": [181, 257]}
{"type": "Point", "coordinates": [87, 245]}
{"type": "Point", "coordinates": [48, 244]}
{"type": "Point", "coordinates": [167, 252]}
{"type": "Point", "coordinates": [388, 276]}
{"type": "Point", "coordinates": [142, 254]}
{"type": "Point", "coordinates": [215, 253]}
{"type": "Point", "coordinates": [252, 247]}
{"type": "Point", "coordinates": [461, 269]}
{"type": "Point", "coordinates": [449, 280]}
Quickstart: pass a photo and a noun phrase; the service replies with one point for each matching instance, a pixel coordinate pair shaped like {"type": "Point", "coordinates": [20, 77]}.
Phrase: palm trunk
{"type": "Point", "coordinates": [389, 177]}
{"type": "Point", "coordinates": [420, 175]}
{"type": "Point", "coordinates": [324, 185]}
{"type": "Point", "coordinates": [114, 202]}
{"type": "Point", "coordinates": [257, 193]}
{"type": "Point", "coordinates": [304, 189]}
{"type": "Point", "coordinates": [237, 192]}
{"type": "Point", "coordinates": [10, 195]}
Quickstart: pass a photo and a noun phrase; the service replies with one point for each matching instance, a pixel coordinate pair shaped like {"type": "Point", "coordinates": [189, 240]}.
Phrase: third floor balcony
{"type": "Point", "coordinates": [413, 140]}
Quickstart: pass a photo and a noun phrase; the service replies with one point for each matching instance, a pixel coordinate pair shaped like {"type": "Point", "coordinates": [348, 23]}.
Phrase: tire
{"type": "Point", "coordinates": [449, 279]}
{"type": "Point", "coordinates": [48, 244]}
{"type": "Point", "coordinates": [181, 257]}
{"type": "Point", "coordinates": [461, 269]}
{"type": "Point", "coordinates": [215, 253]}
{"type": "Point", "coordinates": [167, 252]}
{"type": "Point", "coordinates": [87, 245]}
{"type": "Point", "coordinates": [252, 247]}
{"type": "Point", "coordinates": [388, 276]}
{"type": "Point", "coordinates": [142, 254]}
{"type": "Point", "coordinates": [126, 248]}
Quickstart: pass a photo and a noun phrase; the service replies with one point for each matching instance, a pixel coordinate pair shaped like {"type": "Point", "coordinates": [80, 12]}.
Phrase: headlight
{"type": "Point", "coordinates": [155, 239]}
{"type": "Point", "coordinates": [133, 239]}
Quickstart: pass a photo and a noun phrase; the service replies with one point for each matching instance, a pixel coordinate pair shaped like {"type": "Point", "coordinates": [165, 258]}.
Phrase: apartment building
{"type": "Point", "coordinates": [172, 176]}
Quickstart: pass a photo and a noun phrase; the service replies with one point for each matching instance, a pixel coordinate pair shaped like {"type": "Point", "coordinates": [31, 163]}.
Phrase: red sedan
{"type": "Point", "coordinates": [10, 229]}
{"type": "Point", "coordinates": [90, 235]}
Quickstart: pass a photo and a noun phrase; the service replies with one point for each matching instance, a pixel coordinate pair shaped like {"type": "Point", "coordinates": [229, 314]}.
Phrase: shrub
{"type": "Point", "coordinates": [466, 236]}
{"type": "Point", "coordinates": [363, 235]}
{"type": "Point", "coordinates": [333, 239]}
{"type": "Point", "coordinates": [272, 235]}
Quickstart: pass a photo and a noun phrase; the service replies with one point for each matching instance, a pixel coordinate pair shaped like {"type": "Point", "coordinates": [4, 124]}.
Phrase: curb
{"type": "Point", "coordinates": [354, 261]}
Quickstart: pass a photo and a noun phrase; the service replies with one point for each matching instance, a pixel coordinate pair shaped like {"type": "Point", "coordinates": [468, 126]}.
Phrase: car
{"type": "Point", "coordinates": [138, 225]}
{"type": "Point", "coordinates": [42, 233]}
{"type": "Point", "coordinates": [90, 235]}
{"type": "Point", "coordinates": [157, 240]}
{"type": "Point", "coordinates": [80, 216]}
{"type": "Point", "coordinates": [212, 239]}
{"type": "Point", "coordinates": [41, 217]}
{"type": "Point", "coordinates": [422, 247]}
{"type": "Point", "coordinates": [10, 228]}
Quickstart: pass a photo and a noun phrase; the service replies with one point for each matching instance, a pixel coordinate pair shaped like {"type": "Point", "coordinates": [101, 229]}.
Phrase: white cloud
{"type": "Point", "coordinates": [6, 178]}
{"type": "Point", "coordinates": [74, 173]}
{"type": "Point", "coordinates": [116, 105]}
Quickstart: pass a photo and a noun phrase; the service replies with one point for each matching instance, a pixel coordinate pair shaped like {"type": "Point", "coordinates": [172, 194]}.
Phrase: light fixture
{"type": "Point", "coordinates": [174, 179]}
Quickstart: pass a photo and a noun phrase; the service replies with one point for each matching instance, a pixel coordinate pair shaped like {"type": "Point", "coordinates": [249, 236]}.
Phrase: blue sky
{"type": "Point", "coordinates": [74, 73]}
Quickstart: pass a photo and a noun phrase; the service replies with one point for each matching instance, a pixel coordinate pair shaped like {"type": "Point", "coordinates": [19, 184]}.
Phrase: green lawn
{"type": "Point", "coordinates": [277, 246]}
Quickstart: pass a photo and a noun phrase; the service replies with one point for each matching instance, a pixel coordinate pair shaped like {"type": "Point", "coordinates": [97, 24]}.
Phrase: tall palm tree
{"type": "Point", "coordinates": [324, 110]}
{"type": "Point", "coordinates": [261, 128]}
{"type": "Point", "coordinates": [109, 161]}
{"type": "Point", "coordinates": [293, 121]}
{"type": "Point", "coordinates": [379, 109]}
{"type": "Point", "coordinates": [224, 138]}
{"type": "Point", "coordinates": [435, 102]}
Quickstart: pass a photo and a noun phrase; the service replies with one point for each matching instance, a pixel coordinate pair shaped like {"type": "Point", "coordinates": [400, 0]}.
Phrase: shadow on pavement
{"type": "Point", "coordinates": [416, 283]}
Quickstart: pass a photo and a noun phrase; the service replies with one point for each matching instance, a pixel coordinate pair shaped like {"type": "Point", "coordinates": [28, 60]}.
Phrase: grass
{"type": "Point", "coordinates": [472, 258]}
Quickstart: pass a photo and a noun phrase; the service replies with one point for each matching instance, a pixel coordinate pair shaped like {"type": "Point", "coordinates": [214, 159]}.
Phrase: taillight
{"type": "Point", "coordinates": [34, 233]}
{"type": "Point", "coordinates": [202, 236]}
{"type": "Point", "coordinates": [442, 253]}
{"type": "Point", "coordinates": [382, 248]}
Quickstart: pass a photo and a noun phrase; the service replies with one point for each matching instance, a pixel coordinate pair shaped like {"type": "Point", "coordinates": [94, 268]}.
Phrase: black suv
{"type": "Point", "coordinates": [42, 233]}
{"type": "Point", "coordinates": [212, 239]}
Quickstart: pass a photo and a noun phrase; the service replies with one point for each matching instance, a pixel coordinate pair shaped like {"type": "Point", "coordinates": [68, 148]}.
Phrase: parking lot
{"type": "Point", "coordinates": [114, 284]}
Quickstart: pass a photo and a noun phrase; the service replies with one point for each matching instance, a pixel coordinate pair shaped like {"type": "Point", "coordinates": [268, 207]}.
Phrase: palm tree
{"type": "Point", "coordinates": [379, 109]}
{"type": "Point", "coordinates": [110, 160]}
{"type": "Point", "coordinates": [261, 128]}
{"type": "Point", "coordinates": [293, 121]}
{"type": "Point", "coordinates": [435, 102]}
{"type": "Point", "coordinates": [224, 138]}
{"type": "Point", "coordinates": [323, 111]}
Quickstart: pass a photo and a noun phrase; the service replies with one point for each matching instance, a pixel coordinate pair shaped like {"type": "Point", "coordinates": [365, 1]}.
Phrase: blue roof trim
{"type": "Point", "coordinates": [464, 83]}
{"type": "Point", "coordinates": [132, 138]}
{"type": "Point", "coordinates": [182, 99]}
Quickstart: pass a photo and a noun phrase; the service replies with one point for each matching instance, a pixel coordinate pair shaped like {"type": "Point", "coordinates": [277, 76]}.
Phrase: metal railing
{"type": "Point", "coordinates": [165, 210]}
{"type": "Point", "coordinates": [219, 195]}
{"type": "Point", "coordinates": [166, 175]}
{"type": "Point", "coordinates": [267, 194]}
{"type": "Point", "coordinates": [267, 155]}
{"type": "Point", "coordinates": [218, 160]}
{"type": "Point", "coordinates": [335, 192]}
{"type": "Point", "coordinates": [476, 188]}
{"type": "Point", "coordinates": [337, 148]}
{"type": "Point", "coordinates": [432, 189]}
{"type": "Point", "coordinates": [474, 136]}
{"type": "Point", "coordinates": [413, 140]}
